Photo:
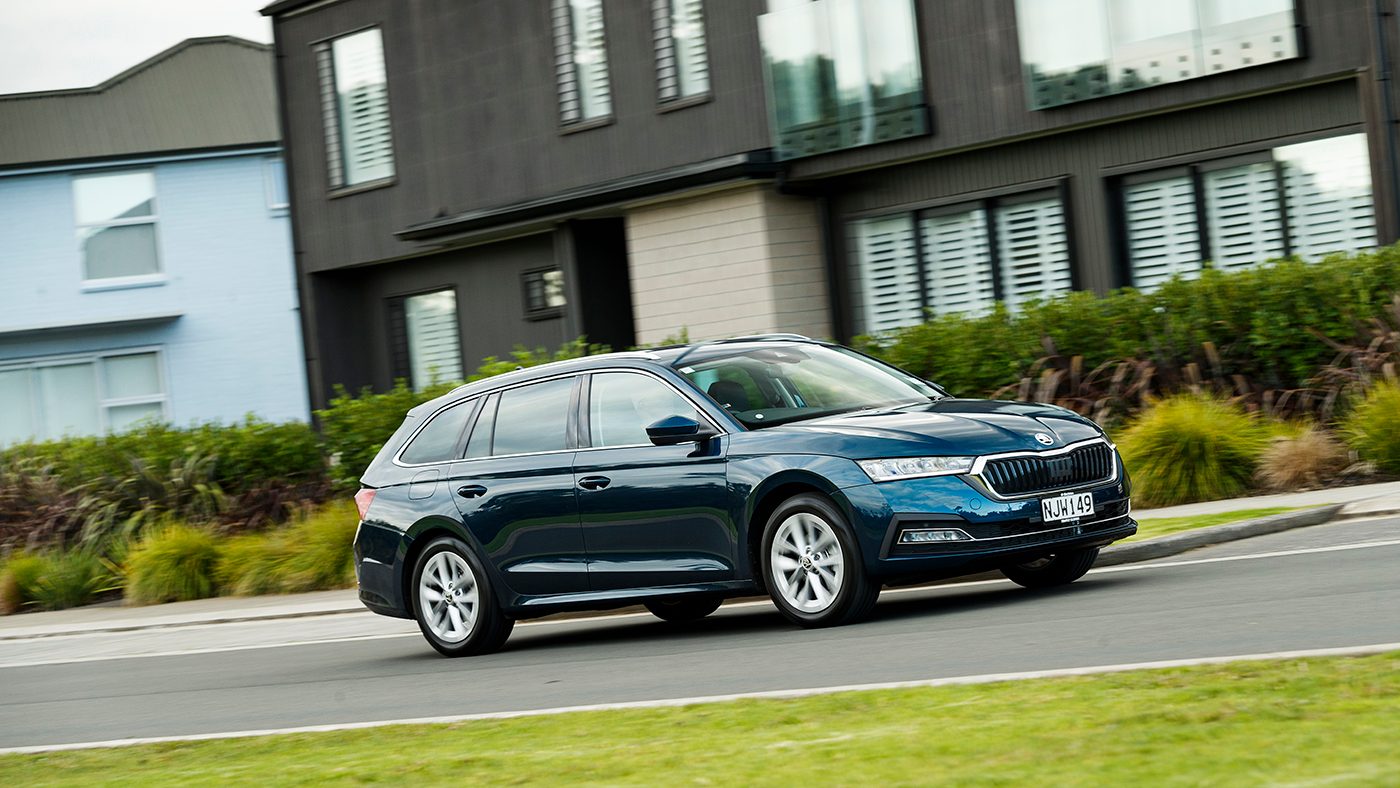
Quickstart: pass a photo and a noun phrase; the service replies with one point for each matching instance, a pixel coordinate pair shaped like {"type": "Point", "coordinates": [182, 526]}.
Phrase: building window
{"type": "Point", "coordinates": [581, 60]}
{"type": "Point", "coordinates": [1073, 50]}
{"type": "Point", "coordinates": [275, 184]}
{"type": "Point", "coordinates": [544, 293]}
{"type": "Point", "coordinates": [427, 347]}
{"type": "Point", "coordinates": [355, 109]}
{"type": "Point", "coordinates": [682, 54]}
{"type": "Point", "coordinates": [46, 399]}
{"type": "Point", "coordinates": [959, 259]}
{"type": "Point", "coordinates": [1309, 200]}
{"type": "Point", "coordinates": [116, 216]}
{"type": "Point", "coordinates": [841, 73]}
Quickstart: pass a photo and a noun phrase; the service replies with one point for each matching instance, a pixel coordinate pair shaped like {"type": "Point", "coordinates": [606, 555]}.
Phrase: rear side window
{"type": "Point", "coordinates": [480, 443]}
{"type": "Point", "coordinates": [533, 418]}
{"type": "Point", "coordinates": [441, 437]}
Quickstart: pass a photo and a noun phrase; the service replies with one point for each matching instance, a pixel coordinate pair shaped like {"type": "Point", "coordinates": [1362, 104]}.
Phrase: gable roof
{"type": "Point", "coordinates": [202, 93]}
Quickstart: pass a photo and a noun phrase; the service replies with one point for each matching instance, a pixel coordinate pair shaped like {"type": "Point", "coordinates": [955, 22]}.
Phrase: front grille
{"type": "Point", "coordinates": [1030, 475]}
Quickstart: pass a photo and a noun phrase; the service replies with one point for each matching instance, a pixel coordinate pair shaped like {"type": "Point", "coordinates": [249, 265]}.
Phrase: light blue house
{"type": "Point", "coordinates": [145, 249]}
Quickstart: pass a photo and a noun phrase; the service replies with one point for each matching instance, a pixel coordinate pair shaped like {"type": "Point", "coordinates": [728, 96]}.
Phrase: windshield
{"type": "Point", "coordinates": [766, 386]}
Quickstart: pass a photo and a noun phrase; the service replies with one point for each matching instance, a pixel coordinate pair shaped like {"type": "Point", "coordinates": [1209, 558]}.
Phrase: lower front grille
{"type": "Point", "coordinates": [1030, 475]}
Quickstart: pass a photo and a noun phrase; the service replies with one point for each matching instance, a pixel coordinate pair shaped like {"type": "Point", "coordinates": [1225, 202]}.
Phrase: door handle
{"type": "Point", "coordinates": [471, 491]}
{"type": "Point", "coordinates": [594, 482]}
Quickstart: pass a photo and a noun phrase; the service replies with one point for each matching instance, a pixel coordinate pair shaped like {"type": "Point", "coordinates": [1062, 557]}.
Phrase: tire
{"type": "Point", "coordinates": [473, 623]}
{"type": "Point", "coordinates": [685, 608]}
{"type": "Point", "coordinates": [812, 565]}
{"type": "Point", "coordinates": [1055, 570]}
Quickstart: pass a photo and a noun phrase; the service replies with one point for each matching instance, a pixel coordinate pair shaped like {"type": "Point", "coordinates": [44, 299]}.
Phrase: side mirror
{"type": "Point", "coordinates": [675, 430]}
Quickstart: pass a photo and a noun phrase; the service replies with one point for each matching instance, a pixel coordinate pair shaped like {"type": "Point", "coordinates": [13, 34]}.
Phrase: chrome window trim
{"type": "Point", "coordinates": [397, 459]}
{"type": "Point", "coordinates": [980, 464]}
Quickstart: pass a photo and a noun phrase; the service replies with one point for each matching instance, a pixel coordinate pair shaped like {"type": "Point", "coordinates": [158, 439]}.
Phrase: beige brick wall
{"type": "Point", "coordinates": [741, 261]}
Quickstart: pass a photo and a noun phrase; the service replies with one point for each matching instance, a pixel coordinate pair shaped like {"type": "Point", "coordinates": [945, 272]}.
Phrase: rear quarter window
{"type": "Point", "coordinates": [441, 438]}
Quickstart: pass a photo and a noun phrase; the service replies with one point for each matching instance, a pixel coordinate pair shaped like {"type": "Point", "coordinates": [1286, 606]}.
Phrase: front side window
{"type": "Point", "coordinates": [1310, 200]}
{"type": "Point", "coordinates": [581, 55]}
{"type": "Point", "coordinates": [767, 386]}
{"type": "Point", "coordinates": [959, 259]}
{"type": "Point", "coordinates": [116, 217]}
{"type": "Point", "coordinates": [533, 418]}
{"type": "Point", "coordinates": [48, 399]}
{"type": "Point", "coordinates": [841, 73]}
{"type": "Point", "coordinates": [434, 350]}
{"type": "Point", "coordinates": [621, 405]}
{"type": "Point", "coordinates": [1073, 50]}
{"type": "Point", "coordinates": [355, 106]}
{"type": "Point", "coordinates": [682, 53]}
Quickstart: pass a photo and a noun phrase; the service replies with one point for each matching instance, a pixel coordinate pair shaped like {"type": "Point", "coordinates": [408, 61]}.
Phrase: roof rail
{"type": "Point", "coordinates": [750, 338]}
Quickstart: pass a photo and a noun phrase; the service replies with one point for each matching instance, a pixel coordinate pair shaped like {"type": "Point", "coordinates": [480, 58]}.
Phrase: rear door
{"type": "Point", "coordinates": [651, 515]}
{"type": "Point", "coordinates": [515, 488]}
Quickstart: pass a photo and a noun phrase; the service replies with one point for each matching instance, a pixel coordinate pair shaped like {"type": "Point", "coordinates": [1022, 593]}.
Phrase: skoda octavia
{"type": "Point", "coordinates": [677, 477]}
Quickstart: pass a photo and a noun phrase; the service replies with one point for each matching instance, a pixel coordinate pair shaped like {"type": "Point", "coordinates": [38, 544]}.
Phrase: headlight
{"type": "Point", "coordinates": [915, 467]}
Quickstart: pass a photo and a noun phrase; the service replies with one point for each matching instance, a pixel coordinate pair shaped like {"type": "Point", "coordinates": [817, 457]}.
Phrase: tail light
{"type": "Point", "coordinates": [363, 499]}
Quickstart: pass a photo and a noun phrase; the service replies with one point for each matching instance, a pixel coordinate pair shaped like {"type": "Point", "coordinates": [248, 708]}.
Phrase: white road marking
{"type": "Point", "coordinates": [986, 678]}
{"type": "Point", "coordinates": [1149, 565]}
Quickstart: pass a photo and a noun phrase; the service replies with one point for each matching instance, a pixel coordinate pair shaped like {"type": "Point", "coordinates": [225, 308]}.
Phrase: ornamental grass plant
{"type": "Point", "coordinates": [174, 562]}
{"type": "Point", "coordinates": [1192, 448]}
{"type": "Point", "coordinates": [1372, 427]}
{"type": "Point", "coordinates": [312, 554]}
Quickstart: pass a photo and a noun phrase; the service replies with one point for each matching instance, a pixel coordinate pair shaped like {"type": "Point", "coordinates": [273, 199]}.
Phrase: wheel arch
{"type": "Point", "coordinates": [416, 540]}
{"type": "Point", "coordinates": [769, 495]}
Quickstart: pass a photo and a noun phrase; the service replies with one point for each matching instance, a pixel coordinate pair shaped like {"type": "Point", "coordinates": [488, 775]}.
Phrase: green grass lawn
{"type": "Point", "coordinates": [1161, 526]}
{"type": "Point", "coordinates": [1300, 722]}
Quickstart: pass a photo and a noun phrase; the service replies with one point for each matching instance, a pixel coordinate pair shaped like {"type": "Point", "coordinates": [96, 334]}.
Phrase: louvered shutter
{"type": "Point", "coordinates": [692, 50]}
{"type": "Point", "coordinates": [1033, 250]}
{"type": "Point", "coordinates": [591, 57]}
{"type": "Point", "coordinates": [887, 273]}
{"type": "Point", "coordinates": [434, 350]}
{"type": "Point", "coordinates": [1163, 240]}
{"type": "Point", "coordinates": [364, 107]}
{"type": "Point", "coordinates": [330, 116]}
{"type": "Point", "coordinates": [667, 80]}
{"type": "Point", "coordinates": [564, 71]}
{"type": "Point", "coordinates": [1243, 214]}
{"type": "Point", "coordinates": [958, 262]}
{"type": "Point", "coordinates": [1327, 188]}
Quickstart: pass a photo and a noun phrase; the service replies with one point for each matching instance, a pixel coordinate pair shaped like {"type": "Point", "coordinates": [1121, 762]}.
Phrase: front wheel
{"type": "Point", "coordinates": [453, 602]}
{"type": "Point", "coordinates": [811, 565]}
{"type": "Point", "coordinates": [1053, 570]}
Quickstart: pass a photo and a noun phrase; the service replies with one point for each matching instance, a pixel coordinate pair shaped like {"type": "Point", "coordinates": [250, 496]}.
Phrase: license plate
{"type": "Point", "coordinates": [1067, 507]}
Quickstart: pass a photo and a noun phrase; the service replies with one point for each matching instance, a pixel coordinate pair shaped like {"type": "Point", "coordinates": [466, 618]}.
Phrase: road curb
{"type": "Point", "coordinates": [1161, 547]}
{"type": "Point", "coordinates": [1174, 544]}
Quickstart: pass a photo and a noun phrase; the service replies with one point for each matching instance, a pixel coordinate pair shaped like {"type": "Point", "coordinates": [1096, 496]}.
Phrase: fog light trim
{"type": "Point", "coordinates": [933, 535]}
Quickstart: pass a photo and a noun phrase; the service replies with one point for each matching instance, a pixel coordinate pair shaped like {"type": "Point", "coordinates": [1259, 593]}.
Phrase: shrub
{"type": "Point", "coordinates": [1308, 458]}
{"type": "Point", "coordinates": [173, 563]}
{"type": "Point", "coordinates": [18, 579]}
{"type": "Point", "coordinates": [54, 581]}
{"type": "Point", "coordinates": [1190, 448]}
{"type": "Point", "coordinates": [313, 554]}
{"type": "Point", "coordinates": [1373, 427]}
{"type": "Point", "coordinates": [1250, 319]}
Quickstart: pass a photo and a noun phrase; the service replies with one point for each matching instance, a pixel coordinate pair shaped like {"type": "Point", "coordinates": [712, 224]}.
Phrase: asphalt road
{"type": "Point", "coordinates": [1230, 600]}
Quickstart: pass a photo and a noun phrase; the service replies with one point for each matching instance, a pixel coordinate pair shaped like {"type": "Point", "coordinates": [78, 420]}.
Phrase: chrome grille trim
{"type": "Point", "coordinates": [1032, 463]}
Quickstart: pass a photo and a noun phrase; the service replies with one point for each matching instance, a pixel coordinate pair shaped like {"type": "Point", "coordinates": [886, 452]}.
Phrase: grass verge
{"type": "Point", "coordinates": [1316, 721]}
{"type": "Point", "coordinates": [1161, 526]}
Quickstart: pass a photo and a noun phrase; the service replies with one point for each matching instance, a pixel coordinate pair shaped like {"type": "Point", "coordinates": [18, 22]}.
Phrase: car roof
{"type": "Point", "coordinates": [660, 356]}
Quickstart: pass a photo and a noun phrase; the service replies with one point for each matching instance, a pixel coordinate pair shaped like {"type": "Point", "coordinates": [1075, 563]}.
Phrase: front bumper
{"type": "Point", "coordinates": [1002, 531]}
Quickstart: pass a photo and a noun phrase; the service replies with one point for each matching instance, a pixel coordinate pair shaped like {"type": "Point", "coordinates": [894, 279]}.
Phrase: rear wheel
{"type": "Point", "coordinates": [681, 609]}
{"type": "Point", "coordinates": [1053, 570]}
{"type": "Point", "coordinates": [812, 567]}
{"type": "Point", "coordinates": [453, 602]}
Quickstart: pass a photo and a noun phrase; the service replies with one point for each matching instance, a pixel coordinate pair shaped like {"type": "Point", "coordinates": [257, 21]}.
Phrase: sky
{"type": "Point", "coordinates": [58, 44]}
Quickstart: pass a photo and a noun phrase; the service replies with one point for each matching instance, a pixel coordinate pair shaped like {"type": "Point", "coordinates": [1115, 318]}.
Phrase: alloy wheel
{"type": "Point", "coordinates": [449, 596]}
{"type": "Point", "coordinates": [807, 562]}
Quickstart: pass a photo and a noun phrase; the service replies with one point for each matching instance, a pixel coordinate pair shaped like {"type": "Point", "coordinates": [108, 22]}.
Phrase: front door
{"type": "Point", "coordinates": [515, 489]}
{"type": "Point", "coordinates": [651, 515]}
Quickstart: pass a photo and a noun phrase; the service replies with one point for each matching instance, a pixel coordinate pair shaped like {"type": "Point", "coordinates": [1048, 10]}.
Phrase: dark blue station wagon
{"type": "Point", "coordinates": [680, 476]}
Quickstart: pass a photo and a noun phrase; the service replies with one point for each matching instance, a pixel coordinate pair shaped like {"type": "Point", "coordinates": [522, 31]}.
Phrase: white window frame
{"type": "Point", "coordinates": [270, 189]}
{"type": "Point", "coordinates": [103, 402]}
{"type": "Point", "coordinates": [87, 284]}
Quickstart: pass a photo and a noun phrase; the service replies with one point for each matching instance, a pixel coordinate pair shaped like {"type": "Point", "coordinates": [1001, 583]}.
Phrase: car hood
{"type": "Point", "coordinates": [950, 427]}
